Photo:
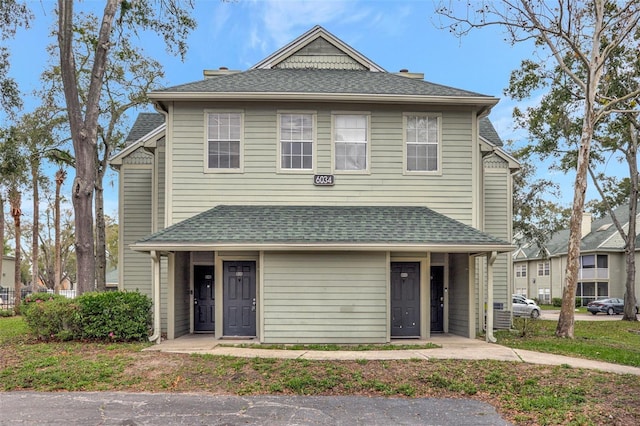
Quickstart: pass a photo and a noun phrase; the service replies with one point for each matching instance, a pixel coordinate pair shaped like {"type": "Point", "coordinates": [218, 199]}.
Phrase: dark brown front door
{"type": "Point", "coordinates": [437, 299]}
{"type": "Point", "coordinates": [405, 299]}
{"type": "Point", "coordinates": [203, 299]}
{"type": "Point", "coordinates": [239, 299]}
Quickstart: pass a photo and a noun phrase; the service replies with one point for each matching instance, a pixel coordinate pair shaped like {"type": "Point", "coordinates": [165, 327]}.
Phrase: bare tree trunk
{"type": "Point", "coordinates": [35, 273]}
{"type": "Point", "coordinates": [566, 318]}
{"type": "Point", "coordinates": [15, 200]}
{"type": "Point", "coordinates": [101, 246]}
{"type": "Point", "coordinates": [57, 269]}
{"type": "Point", "coordinates": [82, 195]}
{"type": "Point", "coordinates": [630, 248]}
{"type": "Point", "coordinates": [84, 131]}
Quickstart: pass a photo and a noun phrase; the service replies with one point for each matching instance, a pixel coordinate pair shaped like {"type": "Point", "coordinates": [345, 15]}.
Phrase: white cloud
{"type": "Point", "coordinates": [285, 20]}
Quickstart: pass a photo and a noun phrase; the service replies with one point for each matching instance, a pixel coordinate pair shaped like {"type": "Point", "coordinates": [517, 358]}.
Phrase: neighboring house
{"type": "Point", "coordinates": [602, 273]}
{"type": "Point", "coordinates": [112, 280]}
{"type": "Point", "coordinates": [7, 280]}
{"type": "Point", "coordinates": [317, 198]}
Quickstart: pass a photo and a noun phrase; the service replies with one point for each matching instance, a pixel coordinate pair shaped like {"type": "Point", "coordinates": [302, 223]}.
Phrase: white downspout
{"type": "Point", "coordinates": [491, 258]}
{"type": "Point", "coordinates": [156, 298]}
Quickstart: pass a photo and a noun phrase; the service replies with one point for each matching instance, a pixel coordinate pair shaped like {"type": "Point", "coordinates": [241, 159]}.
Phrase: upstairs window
{"type": "Point", "coordinates": [543, 269]}
{"type": "Point", "coordinates": [422, 141]}
{"type": "Point", "coordinates": [350, 136]}
{"type": "Point", "coordinates": [521, 270]}
{"type": "Point", "coordinates": [224, 131]}
{"type": "Point", "coordinates": [296, 141]}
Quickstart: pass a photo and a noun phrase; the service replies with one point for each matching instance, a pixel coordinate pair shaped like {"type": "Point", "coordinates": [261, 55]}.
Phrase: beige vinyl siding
{"type": "Point", "coordinates": [325, 298]}
{"type": "Point", "coordinates": [161, 184]}
{"type": "Point", "coordinates": [194, 191]}
{"type": "Point", "coordinates": [497, 222]}
{"type": "Point", "coordinates": [617, 275]}
{"type": "Point", "coordinates": [135, 224]}
{"type": "Point", "coordinates": [181, 296]}
{"type": "Point", "coordinates": [558, 273]}
{"type": "Point", "coordinates": [459, 315]}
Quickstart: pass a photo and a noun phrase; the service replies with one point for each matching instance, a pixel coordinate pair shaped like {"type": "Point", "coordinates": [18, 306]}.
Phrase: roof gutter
{"type": "Point", "coordinates": [475, 250]}
{"type": "Point", "coordinates": [487, 102]}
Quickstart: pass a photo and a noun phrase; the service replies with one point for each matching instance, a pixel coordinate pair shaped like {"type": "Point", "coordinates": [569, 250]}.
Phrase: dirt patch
{"type": "Point", "coordinates": [523, 394]}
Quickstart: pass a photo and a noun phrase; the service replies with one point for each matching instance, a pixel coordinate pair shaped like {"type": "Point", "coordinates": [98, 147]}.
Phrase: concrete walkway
{"type": "Point", "coordinates": [450, 347]}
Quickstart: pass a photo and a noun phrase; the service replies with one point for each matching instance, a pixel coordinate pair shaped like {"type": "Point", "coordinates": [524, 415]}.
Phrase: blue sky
{"type": "Point", "coordinates": [238, 34]}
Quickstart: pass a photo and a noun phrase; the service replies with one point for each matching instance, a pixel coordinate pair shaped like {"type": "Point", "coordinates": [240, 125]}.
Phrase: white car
{"type": "Point", "coordinates": [523, 307]}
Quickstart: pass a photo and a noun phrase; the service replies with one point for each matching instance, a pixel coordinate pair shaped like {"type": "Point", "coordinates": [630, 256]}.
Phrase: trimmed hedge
{"type": "Point", "coordinates": [557, 302]}
{"type": "Point", "coordinates": [55, 318]}
{"type": "Point", "coordinates": [115, 315]}
{"type": "Point", "coordinates": [110, 316]}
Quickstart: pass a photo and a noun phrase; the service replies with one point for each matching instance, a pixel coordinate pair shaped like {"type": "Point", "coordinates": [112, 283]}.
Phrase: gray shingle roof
{"type": "Point", "coordinates": [227, 224]}
{"type": "Point", "coordinates": [145, 123]}
{"type": "Point", "coordinates": [488, 132]}
{"type": "Point", "coordinates": [318, 81]}
{"type": "Point", "coordinates": [559, 242]}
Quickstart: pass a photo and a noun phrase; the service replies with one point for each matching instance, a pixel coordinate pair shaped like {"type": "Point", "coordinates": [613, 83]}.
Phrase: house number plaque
{"type": "Point", "coordinates": [323, 180]}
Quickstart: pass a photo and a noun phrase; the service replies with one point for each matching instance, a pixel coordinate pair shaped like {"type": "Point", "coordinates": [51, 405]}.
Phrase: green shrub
{"type": "Point", "coordinates": [557, 302]}
{"type": "Point", "coordinates": [6, 313]}
{"type": "Point", "coordinates": [34, 297]}
{"type": "Point", "coordinates": [55, 318]}
{"type": "Point", "coordinates": [578, 302]}
{"type": "Point", "coordinates": [115, 316]}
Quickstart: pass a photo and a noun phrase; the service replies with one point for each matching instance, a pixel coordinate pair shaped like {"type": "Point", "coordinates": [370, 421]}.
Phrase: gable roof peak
{"type": "Point", "coordinates": [323, 50]}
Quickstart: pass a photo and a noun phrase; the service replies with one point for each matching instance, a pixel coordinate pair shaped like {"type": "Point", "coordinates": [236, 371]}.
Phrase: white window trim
{"type": "Point", "coordinates": [542, 269]}
{"type": "Point", "coordinates": [406, 172]}
{"type": "Point", "coordinates": [205, 155]}
{"type": "Point", "coordinates": [367, 170]}
{"type": "Point", "coordinates": [312, 170]}
{"type": "Point", "coordinates": [520, 268]}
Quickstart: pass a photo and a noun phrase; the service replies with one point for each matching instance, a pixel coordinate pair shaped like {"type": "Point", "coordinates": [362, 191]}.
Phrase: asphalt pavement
{"type": "Point", "coordinates": [129, 409]}
{"type": "Point", "coordinates": [115, 408]}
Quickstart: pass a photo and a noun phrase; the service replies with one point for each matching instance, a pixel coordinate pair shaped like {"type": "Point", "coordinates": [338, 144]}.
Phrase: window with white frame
{"type": "Point", "coordinates": [544, 295]}
{"type": "Point", "coordinates": [594, 266]}
{"type": "Point", "coordinates": [422, 143]}
{"type": "Point", "coordinates": [296, 141]}
{"type": "Point", "coordinates": [543, 269]}
{"type": "Point", "coordinates": [521, 270]}
{"type": "Point", "coordinates": [350, 136]}
{"type": "Point", "coordinates": [223, 140]}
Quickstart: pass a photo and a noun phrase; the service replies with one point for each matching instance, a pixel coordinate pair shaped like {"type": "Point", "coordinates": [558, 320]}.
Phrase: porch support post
{"type": "Point", "coordinates": [491, 258]}
{"type": "Point", "coordinates": [156, 337]}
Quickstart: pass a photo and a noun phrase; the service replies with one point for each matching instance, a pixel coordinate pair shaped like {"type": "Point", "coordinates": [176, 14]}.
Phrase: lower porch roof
{"type": "Point", "coordinates": [367, 228]}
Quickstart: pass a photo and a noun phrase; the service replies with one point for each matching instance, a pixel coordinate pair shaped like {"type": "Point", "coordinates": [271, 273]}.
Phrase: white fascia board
{"type": "Point", "coordinates": [453, 248]}
{"type": "Point", "coordinates": [305, 39]}
{"type": "Point", "coordinates": [500, 152]}
{"type": "Point", "coordinates": [116, 160]}
{"type": "Point", "coordinates": [486, 145]}
{"type": "Point", "coordinates": [323, 97]}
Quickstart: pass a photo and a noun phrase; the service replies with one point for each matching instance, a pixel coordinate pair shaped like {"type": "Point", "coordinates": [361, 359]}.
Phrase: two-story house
{"type": "Point", "coordinates": [317, 198]}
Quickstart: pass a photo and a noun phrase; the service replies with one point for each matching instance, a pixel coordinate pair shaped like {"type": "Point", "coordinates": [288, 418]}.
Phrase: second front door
{"type": "Point", "coordinates": [405, 299]}
{"type": "Point", "coordinates": [239, 299]}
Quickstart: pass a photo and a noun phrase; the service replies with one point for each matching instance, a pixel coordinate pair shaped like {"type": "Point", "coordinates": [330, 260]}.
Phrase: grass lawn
{"type": "Point", "coordinates": [522, 393]}
{"type": "Point", "coordinates": [611, 341]}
